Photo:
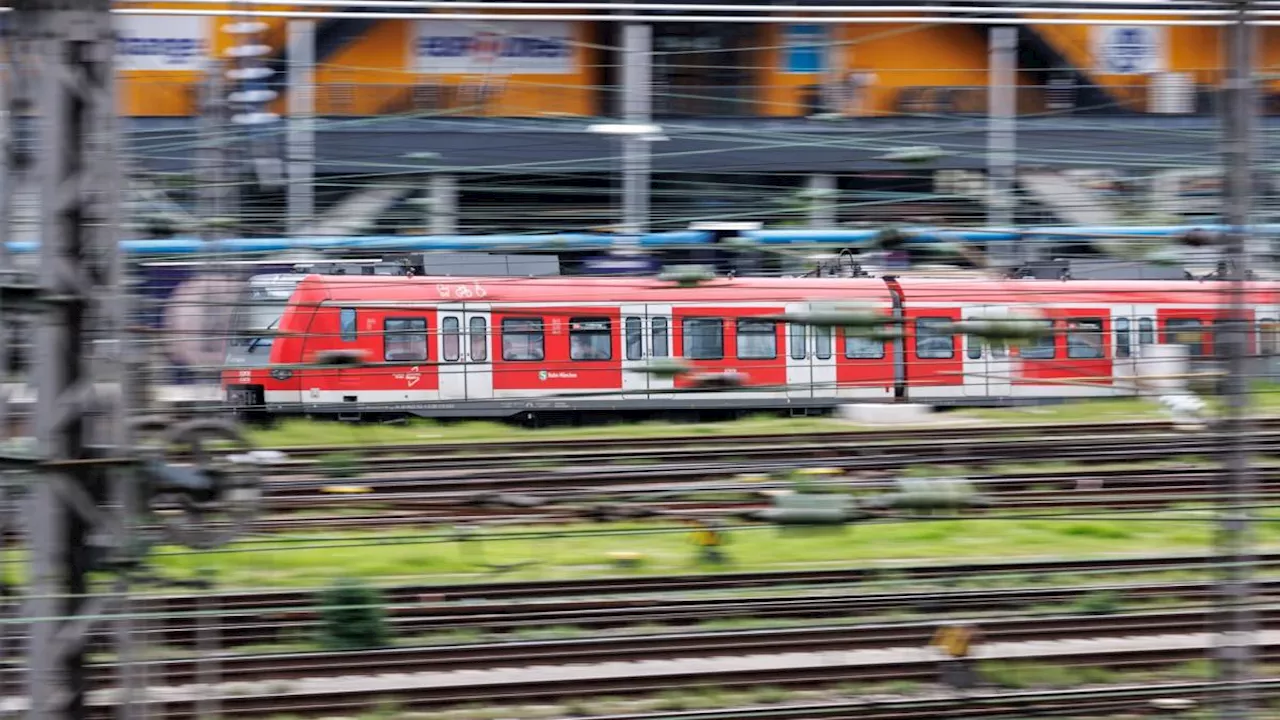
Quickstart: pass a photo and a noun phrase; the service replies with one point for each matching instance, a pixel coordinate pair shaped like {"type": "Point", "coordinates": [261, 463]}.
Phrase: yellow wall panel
{"type": "Point", "coordinates": [900, 56]}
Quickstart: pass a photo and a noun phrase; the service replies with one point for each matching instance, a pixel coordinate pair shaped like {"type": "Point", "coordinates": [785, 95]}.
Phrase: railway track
{"type": "Point", "coordinates": [344, 691]}
{"type": "Point", "coordinates": [629, 648]}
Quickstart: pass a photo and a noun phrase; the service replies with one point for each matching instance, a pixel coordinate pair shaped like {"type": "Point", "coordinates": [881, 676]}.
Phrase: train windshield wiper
{"type": "Point", "coordinates": [254, 343]}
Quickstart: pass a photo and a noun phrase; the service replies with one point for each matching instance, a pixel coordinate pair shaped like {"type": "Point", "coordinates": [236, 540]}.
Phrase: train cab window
{"type": "Point", "coordinates": [822, 343]}
{"type": "Point", "coordinates": [860, 347]}
{"type": "Point", "coordinates": [798, 340]}
{"type": "Point", "coordinates": [589, 339]}
{"type": "Point", "coordinates": [634, 328]}
{"type": "Point", "coordinates": [347, 322]}
{"type": "Point", "coordinates": [1185, 331]}
{"type": "Point", "coordinates": [703, 338]}
{"type": "Point", "coordinates": [1084, 339]}
{"type": "Point", "coordinates": [660, 334]}
{"type": "Point", "coordinates": [757, 340]}
{"type": "Point", "coordinates": [1146, 332]}
{"type": "Point", "coordinates": [478, 329]}
{"type": "Point", "coordinates": [933, 340]}
{"type": "Point", "coordinates": [405, 339]}
{"type": "Point", "coordinates": [1123, 346]}
{"type": "Point", "coordinates": [522, 339]}
{"type": "Point", "coordinates": [451, 330]}
{"type": "Point", "coordinates": [1267, 336]}
{"type": "Point", "coordinates": [1040, 347]}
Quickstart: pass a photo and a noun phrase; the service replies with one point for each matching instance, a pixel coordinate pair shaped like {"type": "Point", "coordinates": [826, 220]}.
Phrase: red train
{"type": "Point", "coordinates": [497, 347]}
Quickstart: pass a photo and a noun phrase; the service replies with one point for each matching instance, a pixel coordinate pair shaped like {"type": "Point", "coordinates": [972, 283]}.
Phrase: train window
{"type": "Point", "coordinates": [659, 339]}
{"type": "Point", "coordinates": [522, 339]}
{"type": "Point", "coordinates": [798, 338]}
{"type": "Point", "coordinates": [1185, 331]}
{"type": "Point", "coordinates": [1084, 338]}
{"type": "Point", "coordinates": [757, 340]}
{"type": "Point", "coordinates": [1123, 348]}
{"type": "Point", "coordinates": [1146, 332]}
{"type": "Point", "coordinates": [347, 321]}
{"type": "Point", "coordinates": [1041, 347]}
{"type": "Point", "coordinates": [451, 329]}
{"type": "Point", "coordinates": [634, 327]}
{"type": "Point", "coordinates": [1220, 343]}
{"type": "Point", "coordinates": [479, 331]}
{"type": "Point", "coordinates": [1267, 331]}
{"type": "Point", "coordinates": [405, 339]}
{"type": "Point", "coordinates": [933, 340]}
{"type": "Point", "coordinates": [974, 350]}
{"type": "Point", "coordinates": [822, 343]}
{"type": "Point", "coordinates": [589, 339]}
{"type": "Point", "coordinates": [860, 347]}
{"type": "Point", "coordinates": [703, 338]}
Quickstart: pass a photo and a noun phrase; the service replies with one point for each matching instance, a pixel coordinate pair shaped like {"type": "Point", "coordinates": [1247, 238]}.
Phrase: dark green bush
{"type": "Point", "coordinates": [352, 617]}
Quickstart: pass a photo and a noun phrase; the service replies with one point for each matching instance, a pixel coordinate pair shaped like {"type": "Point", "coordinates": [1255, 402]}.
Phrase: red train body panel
{"type": "Point", "coordinates": [499, 346]}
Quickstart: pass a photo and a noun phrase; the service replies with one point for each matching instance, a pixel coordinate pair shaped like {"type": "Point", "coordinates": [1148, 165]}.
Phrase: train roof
{"type": "Point", "coordinates": [353, 289]}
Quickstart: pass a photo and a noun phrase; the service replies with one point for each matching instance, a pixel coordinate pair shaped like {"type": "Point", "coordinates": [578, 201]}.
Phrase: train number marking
{"type": "Point", "coordinates": [462, 291]}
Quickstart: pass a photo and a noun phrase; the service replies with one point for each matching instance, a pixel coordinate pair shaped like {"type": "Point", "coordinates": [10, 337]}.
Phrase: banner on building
{"type": "Point", "coordinates": [446, 47]}
{"type": "Point", "coordinates": [804, 49]}
{"type": "Point", "coordinates": [1129, 49]}
{"type": "Point", "coordinates": [161, 43]}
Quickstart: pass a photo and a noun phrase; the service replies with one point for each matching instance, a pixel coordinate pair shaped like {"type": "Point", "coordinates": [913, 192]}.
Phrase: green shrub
{"type": "Point", "coordinates": [352, 617]}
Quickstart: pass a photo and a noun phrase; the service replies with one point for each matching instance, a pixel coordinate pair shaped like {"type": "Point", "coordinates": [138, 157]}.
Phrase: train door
{"type": "Point", "coordinates": [1126, 328]}
{"type": "Point", "coordinates": [988, 371]}
{"type": "Point", "coordinates": [466, 351]}
{"type": "Point", "coordinates": [646, 337]}
{"type": "Point", "coordinates": [811, 360]}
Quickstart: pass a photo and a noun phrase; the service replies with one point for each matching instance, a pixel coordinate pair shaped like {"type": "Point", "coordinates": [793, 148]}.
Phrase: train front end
{"type": "Point", "coordinates": [246, 374]}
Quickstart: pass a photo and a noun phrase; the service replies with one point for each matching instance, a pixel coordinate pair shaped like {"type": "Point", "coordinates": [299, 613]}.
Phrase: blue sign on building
{"type": "Point", "coordinates": [805, 49]}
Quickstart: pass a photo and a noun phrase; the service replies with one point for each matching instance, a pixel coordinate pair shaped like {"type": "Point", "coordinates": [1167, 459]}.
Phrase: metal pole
{"type": "Point", "coordinates": [1002, 100]}
{"type": "Point", "coordinates": [1235, 652]}
{"type": "Point", "coordinates": [822, 206]}
{"type": "Point", "coordinates": [80, 289]}
{"type": "Point", "coordinates": [301, 133]}
{"type": "Point", "coordinates": [637, 107]}
{"type": "Point", "coordinates": [442, 210]}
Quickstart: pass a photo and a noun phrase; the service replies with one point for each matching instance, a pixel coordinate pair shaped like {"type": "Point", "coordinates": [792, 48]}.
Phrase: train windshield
{"type": "Point", "coordinates": [257, 314]}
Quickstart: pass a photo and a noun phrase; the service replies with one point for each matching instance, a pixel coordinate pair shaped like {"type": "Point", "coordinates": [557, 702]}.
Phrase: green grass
{"type": "Point", "coordinates": [312, 560]}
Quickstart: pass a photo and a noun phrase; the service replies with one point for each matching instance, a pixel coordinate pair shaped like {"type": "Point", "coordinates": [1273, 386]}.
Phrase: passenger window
{"type": "Point", "coordinates": [798, 333]}
{"type": "Point", "coordinates": [1146, 332]}
{"type": "Point", "coordinates": [1084, 339]}
{"type": "Point", "coordinates": [522, 339]}
{"type": "Point", "coordinates": [479, 331]}
{"type": "Point", "coordinates": [589, 339]}
{"type": "Point", "coordinates": [1123, 349]}
{"type": "Point", "coordinates": [1041, 347]}
{"type": "Point", "coordinates": [635, 338]}
{"type": "Point", "coordinates": [347, 321]}
{"type": "Point", "coordinates": [1185, 331]}
{"type": "Point", "coordinates": [404, 339]}
{"type": "Point", "coordinates": [660, 334]}
{"type": "Point", "coordinates": [933, 341]}
{"type": "Point", "coordinates": [703, 338]}
{"type": "Point", "coordinates": [1267, 339]}
{"type": "Point", "coordinates": [757, 340]}
{"type": "Point", "coordinates": [822, 343]}
{"type": "Point", "coordinates": [861, 347]}
{"type": "Point", "coordinates": [451, 329]}
{"type": "Point", "coordinates": [1221, 348]}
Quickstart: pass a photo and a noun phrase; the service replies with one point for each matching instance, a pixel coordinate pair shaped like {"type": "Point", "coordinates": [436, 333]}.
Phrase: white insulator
{"type": "Point", "coordinates": [244, 28]}
{"type": "Point", "coordinates": [252, 96]}
{"type": "Point", "coordinates": [250, 73]}
{"type": "Point", "coordinates": [244, 51]}
{"type": "Point", "coordinates": [257, 118]}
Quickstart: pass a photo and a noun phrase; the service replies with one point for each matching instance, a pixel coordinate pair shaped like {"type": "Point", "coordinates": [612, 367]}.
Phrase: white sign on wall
{"type": "Point", "coordinates": [161, 43]}
{"type": "Point", "coordinates": [446, 47]}
{"type": "Point", "coordinates": [1129, 49]}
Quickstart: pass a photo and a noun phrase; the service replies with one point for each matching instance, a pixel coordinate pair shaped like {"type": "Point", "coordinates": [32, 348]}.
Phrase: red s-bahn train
{"type": "Point", "coordinates": [502, 347]}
